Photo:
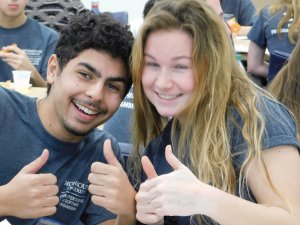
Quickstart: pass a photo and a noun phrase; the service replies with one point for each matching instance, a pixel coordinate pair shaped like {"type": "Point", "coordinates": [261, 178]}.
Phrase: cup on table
{"type": "Point", "coordinates": [21, 80]}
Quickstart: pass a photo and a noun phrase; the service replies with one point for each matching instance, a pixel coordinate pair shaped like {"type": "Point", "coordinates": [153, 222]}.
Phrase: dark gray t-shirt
{"type": "Point", "coordinates": [35, 39]}
{"type": "Point", "coordinates": [264, 32]}
{"type": "Point", "coordinates": [243, 10]}
{"type": "Point", "coordinates": [280, 130]}
{"type": "Point", "coordinates": [23, 138]}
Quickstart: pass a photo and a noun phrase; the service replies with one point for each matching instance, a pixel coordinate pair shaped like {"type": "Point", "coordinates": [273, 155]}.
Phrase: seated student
{"type": "Point", "coordinates": [286, 85]}
{"type": "Point", "coordinates": [242, 10]}
{"type": "Point", "coordinates": [49, 144]}
{"type": "Point", "coordinates": [277, 28]}
{"type": "Point", "coordinates": [26, 43]}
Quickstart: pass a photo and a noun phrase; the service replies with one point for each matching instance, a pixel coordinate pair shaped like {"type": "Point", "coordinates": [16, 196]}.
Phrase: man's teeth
{"type": "Point", "coordinates": [167, 97]}
{"type": "Point", "coordinates": [85, 109]}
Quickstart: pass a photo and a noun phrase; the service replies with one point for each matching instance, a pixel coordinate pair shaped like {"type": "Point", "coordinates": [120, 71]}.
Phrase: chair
{"type": "Point", "coordinates": [277, 60]}
{"type": "Point", "coordinates": [119, 125]}
{"type": "Point", "coordinates": [53, 13]}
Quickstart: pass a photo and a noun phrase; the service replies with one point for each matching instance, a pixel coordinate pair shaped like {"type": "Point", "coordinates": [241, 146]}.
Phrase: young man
{"type": "Point", "coordinates": [26, 44]}
{"type": "Point", "coordinates": [49, 144]}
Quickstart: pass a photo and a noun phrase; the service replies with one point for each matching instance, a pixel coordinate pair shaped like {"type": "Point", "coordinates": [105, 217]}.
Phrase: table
{"type": "Point", "coordinates": [241, 46]}
{"type": "Point", "coordinates": [37, 92]}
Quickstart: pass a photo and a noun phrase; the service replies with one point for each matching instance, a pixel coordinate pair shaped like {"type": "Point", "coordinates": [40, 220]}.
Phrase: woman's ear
{"type": "Point", "coordinates": [53, 68]}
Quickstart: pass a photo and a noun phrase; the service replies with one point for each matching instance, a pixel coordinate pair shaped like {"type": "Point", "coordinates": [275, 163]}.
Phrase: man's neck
{"type": "Point", "coordinates": [12, 22]}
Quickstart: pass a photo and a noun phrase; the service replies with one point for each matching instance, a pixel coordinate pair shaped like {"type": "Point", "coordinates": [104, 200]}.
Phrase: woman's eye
{"type": "Point", "coordinates": [152, 64]}
{"type": "Point", "coordinates": [180, 67]}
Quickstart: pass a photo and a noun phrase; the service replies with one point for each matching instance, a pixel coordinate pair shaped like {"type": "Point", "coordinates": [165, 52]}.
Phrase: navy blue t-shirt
{"type": "Point", "coordinates": [35, 39]}
{"type": "Point", "coordinates": [264, 32]}
{"type": "Point", "coordinates": [23, 138]}
{"type": "Point", "coordinates": [243, 10]}
{"type": "Point", "coordinates": [280, 130]}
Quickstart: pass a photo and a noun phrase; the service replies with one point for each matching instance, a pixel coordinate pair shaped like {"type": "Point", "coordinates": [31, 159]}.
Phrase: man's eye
{"type": "Point", "coordinates": [85, 75]}
{"type": "Point", "coordinates": [113, 87]}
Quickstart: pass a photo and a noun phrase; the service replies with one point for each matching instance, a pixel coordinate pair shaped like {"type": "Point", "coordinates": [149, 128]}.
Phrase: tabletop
{"type": "Point", "coordinates": [37, 92]}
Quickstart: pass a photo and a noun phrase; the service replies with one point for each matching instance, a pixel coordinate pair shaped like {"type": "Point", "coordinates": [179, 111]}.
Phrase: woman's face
{"type": "Point", "coordinates": [168, 77]}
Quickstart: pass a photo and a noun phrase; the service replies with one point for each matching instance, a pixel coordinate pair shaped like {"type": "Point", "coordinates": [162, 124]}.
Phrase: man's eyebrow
{"type": "Point", "coordinates": [90, 68]}
{"type": "Point", "coordinates": [117, 79]}
{"type": "Point", "coordinates": [98, 74]}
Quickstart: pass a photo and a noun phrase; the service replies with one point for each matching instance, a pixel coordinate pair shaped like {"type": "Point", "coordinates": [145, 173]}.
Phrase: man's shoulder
{"type": "Point", "coordinates": [45, 30]}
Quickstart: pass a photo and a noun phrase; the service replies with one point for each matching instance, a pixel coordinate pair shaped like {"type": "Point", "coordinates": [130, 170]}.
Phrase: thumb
{"type": "Point", "coordinates": [172, 159]}
{"type": "Point", "coordinates": [37, 164]}
{"type": "Point", "coordinates": [110, 155]}
{"type": "Point", "coordinates": [148, 168]}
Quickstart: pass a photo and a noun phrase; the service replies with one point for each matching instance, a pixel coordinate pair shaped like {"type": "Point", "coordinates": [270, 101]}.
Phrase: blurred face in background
{"type": "Point", "coordinates": [12, 8]}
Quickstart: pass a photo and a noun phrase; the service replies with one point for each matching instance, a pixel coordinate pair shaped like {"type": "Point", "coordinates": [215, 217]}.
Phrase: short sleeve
{"type": "Point", "coordinates": [280, 128]}
{"type": "Point", "coordinates": [257, 32]}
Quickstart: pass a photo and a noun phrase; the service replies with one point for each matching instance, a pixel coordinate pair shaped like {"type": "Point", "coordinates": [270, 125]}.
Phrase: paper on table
{"type": "Point", "coordinates": [4, 222]}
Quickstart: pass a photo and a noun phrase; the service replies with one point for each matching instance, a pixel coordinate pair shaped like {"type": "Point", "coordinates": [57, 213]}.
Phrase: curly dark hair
{"type": "Point", "coordinates": [87, 30]}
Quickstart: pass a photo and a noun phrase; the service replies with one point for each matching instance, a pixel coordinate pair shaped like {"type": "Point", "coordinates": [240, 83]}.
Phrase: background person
{"type": "Point", "coordinates": [276, 28]}
{"type": "Point", "coordinates": [28, 43]}
{"type": "Point", "coordinates": [55, 138]}
{"type": "Point", "coordinates": [243, 10]}
{"type": "Point", "coordinates": [229, 139]}
{"type": "Point", "coordinates": [286, 85]}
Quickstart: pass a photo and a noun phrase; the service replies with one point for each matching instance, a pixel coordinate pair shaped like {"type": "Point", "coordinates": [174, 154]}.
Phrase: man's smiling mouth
{"type": "Point", "coordinates": [84, 109]}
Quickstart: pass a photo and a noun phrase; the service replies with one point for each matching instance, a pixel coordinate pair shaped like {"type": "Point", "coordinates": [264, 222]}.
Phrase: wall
{"type": "Point", "coordinates": [133, 7]}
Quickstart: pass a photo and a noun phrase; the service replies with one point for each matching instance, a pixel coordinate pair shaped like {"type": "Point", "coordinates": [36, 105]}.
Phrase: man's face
{"type": "Point", "coordinates": [84, 94]}
{"type": "Point", "coordinates": [12, 8]}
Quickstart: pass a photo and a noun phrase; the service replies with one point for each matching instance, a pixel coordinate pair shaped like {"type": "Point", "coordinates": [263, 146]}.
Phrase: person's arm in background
{"type": "Point", "coordinates": [18, 60]}
{"type": "Point", "coordinates": [255, 61]}
{"type": "Point", "coordinates": [256, 64]}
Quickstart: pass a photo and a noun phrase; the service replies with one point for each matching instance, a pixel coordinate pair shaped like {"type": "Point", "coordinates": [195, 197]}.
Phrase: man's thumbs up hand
{"type": "Point", "coordinates": [31, 195]}
{"type": "Point", "coordinates": [37, 164]}
{"type": "Point", "coordinates": [110, 155]}
{"type": "Point", "coordinates": [110, 186]}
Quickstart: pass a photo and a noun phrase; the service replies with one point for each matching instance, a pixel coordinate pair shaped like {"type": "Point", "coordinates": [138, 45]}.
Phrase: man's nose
{"type": "Point", "coordinates": [96, 91]}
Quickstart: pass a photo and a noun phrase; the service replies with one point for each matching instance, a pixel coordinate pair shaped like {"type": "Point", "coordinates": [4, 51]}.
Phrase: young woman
{"type": "Point", "coordinates": [217, 146]}
{"type": "Point", "coordinates": [286, 85]}
{"type": "Point", "coordinates": [276, 28]}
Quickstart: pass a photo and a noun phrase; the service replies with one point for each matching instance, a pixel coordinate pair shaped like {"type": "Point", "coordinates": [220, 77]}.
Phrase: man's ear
{"type": "Point", "coordinates": [53, 69]}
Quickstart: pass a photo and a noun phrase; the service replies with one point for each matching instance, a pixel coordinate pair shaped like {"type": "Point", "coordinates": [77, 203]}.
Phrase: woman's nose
{"type": "Point", "coordinates": [164, 79]}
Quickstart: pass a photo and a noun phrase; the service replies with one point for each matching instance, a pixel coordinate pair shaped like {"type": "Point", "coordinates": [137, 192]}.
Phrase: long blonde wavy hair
{"type": "Point", "coordinates": [220, 84]}
{"type": "Point", "coordinates": [292, 11]}
{"type": "Point", "coordinates": [286, 85]}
